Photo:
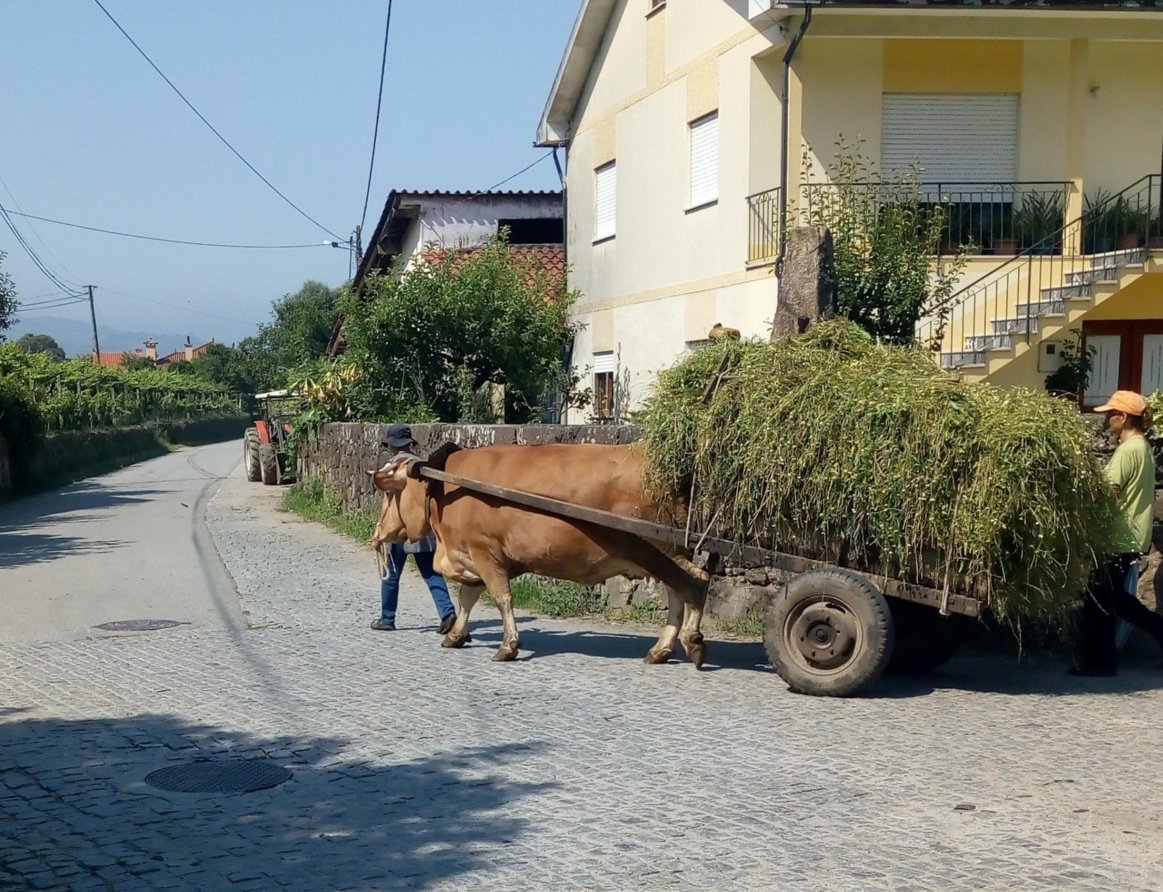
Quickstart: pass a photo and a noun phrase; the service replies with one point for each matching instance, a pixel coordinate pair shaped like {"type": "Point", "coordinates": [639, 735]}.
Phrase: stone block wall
{"type": "Point", "coordinates": [341, 455]}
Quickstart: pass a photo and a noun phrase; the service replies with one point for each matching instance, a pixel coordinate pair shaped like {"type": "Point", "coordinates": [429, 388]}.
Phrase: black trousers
{"type": "Point", "coordinates": [1107, 601]}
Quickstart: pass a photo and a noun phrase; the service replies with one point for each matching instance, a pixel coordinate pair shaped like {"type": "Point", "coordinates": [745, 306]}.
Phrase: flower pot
{"type": "Point", "coordinates": [1129, 241]}
{"type": "Point", "coordinates": [1155, 243]}
{"type": "Point", "coordinates": [1005, 246]}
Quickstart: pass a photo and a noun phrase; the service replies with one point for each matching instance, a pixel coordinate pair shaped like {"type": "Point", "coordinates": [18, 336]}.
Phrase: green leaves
{"type": "Point", "coordinates": [455, 323]}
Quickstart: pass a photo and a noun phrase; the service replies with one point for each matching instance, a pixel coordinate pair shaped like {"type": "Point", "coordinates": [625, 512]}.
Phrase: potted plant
{"type": "Point", "coordinates": [1131, 224]}
{"type": "Point", "coordinates": [1038, 219]}
{"type": "Point", "coordinates": [997, 224]}
{"type": "Point", "coordinates": [1100, 218]}
{"type": "Point", "coordinates": [1155, 232]}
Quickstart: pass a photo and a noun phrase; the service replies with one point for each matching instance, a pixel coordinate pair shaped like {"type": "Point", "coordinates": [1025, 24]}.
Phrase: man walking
{"type": "Point", "coordinates": [398, 442]}
{"type": "Point", "coordinates": [1131, 471]}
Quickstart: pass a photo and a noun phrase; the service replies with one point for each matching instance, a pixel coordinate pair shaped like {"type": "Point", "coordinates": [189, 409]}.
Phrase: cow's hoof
{"type": "Point", "coordinates": [696, 651]}
{"type": "Point", "coordinates": [451, 640]}
{"type": "Point", "coordinates": [654, 657]}
{"type": "Point", "coordinates": [505, 654]}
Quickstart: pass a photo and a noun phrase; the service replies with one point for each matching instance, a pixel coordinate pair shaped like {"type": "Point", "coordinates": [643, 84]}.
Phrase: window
{"type": "Point", "coordinates": [931, 128]}
{"type": "Point", "coordinates": [704, 160]}
{"type": "Point", "coordinates": [604, 384]}
{"type": "Point", "coordinates": [605, 201]}
{"type": "Point", "coordinates": [536, 231]}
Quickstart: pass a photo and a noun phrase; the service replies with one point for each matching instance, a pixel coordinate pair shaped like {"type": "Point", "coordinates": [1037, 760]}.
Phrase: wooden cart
{"type": "Point", "coordinates": [831, 630]}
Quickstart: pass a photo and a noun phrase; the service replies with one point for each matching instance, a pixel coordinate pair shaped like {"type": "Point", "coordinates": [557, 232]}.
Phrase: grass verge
{"type": "Point", "coordinates": [312, 500]}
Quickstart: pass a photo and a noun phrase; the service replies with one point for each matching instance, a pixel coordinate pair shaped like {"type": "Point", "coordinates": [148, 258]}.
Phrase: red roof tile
{"type": "Point", "coordinates": [531, 258]}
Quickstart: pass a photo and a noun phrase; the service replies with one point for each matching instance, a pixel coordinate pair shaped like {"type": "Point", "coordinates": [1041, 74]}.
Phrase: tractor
{"type": "Point", "coordinates": [264, 445]}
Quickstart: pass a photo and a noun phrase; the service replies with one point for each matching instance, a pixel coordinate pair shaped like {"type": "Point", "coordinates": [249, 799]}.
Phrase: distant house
{"type": "Point", "coordinates": [413, 224]}
{"type": "Point", "coordinates": [186, 353]}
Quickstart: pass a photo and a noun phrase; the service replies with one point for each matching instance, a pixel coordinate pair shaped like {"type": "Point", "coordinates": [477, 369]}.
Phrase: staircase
{"type": "Point", "coordinates": [1048, 289]}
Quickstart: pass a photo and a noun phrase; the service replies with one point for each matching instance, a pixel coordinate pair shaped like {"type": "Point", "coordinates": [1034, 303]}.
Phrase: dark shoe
{"type": "Point", "coordinates": [446, 624]}
{"type": "Point", "coordinates": [1092, 673]}
{"type": "Point", "coordinates": [380, 626]}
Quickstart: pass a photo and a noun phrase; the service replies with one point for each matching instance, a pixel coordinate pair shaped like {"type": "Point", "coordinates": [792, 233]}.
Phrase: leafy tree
{"type": "Point", "coordinates": [302, 326]}
{"type": "Point", "coordinates": [7, 299]}
{"type": "Point", "coordinates": [41, 343]}
{"type": "Point", "coordinates": [884, 237]}
{"type": "Point", "coordinates": [454, 328]}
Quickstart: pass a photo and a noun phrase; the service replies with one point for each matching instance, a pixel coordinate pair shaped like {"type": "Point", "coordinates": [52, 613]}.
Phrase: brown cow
{"type": "Point", "coordinates": [484, 542]}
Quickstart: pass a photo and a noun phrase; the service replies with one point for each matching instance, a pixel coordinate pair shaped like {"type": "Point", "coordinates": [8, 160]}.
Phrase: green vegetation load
{"type": "Point", "coordinates": [834, 447]}
{"type": "Point", "coordinates": [77, 395]}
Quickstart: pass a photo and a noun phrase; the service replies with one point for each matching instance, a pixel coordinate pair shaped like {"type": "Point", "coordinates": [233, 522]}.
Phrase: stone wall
{"type": "Point", "coordinates": [343, 454]}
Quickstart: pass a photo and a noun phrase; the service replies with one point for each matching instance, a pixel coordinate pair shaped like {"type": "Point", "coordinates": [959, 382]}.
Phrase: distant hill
{"type": "Point", "coordinates": [76, 338]}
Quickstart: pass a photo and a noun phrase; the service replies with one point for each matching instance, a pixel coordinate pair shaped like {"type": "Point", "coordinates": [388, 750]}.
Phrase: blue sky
{"type": "Point", "coordinates": [93, 135]}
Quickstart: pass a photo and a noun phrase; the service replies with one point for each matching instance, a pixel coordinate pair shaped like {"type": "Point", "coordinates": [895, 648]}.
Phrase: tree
{"type": "Point", "coordinates": [41, 343]}
{"type": "Point", "coordinates": [302, 325]}
{"type": "Point", "coordinates": [884, 238]}
{"type": "Point", "coordinates": [7, 299]}
{"type": "Point", "coordinates": [454, 328]}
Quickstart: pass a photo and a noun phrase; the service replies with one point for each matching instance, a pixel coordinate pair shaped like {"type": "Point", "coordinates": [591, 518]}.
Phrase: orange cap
{"type": "Point", "coordinates": [1125, 401]}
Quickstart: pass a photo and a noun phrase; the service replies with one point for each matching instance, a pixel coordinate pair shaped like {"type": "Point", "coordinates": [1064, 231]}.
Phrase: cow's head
{"type": "Point", "coordinates": [402, 512]}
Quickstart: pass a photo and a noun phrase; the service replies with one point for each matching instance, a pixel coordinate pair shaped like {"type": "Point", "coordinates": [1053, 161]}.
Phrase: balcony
{"type": "Point", "coordinates": [985, 218]}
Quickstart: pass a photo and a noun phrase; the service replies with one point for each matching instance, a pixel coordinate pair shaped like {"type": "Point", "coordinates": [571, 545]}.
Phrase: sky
{"type": "Point", "coordinates": [91, 134]}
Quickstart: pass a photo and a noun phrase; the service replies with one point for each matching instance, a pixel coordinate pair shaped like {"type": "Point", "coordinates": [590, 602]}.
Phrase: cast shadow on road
{"type": "Point", "coordinates": [982, 673]}
{"type": "Point", "coordinates": [70, 505]}
{"type": "Point", "coordinates": [21, 549]}
{"type": "Point", "coordinates": [337, 823]}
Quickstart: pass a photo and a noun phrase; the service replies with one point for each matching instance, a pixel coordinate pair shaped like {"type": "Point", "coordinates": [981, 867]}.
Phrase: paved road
{"type": "Point", "coordinates": [577, 767]}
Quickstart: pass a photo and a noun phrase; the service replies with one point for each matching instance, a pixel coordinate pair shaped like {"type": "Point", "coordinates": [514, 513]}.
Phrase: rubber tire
{"type": "Point", "coordinates": [269, 463]}
{"type": "Point", "coordinates": [925, 640]}
{"type": "Point", "coordinates": [872, 645]}
{"type": "Point", "coordinates": [250, 443]}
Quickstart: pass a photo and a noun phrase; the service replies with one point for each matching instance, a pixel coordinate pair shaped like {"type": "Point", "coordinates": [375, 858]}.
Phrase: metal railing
{"type": "Point", "coordinates": [763, 226]}
{"type": "Point", "coordinates": [986, 218]}
{"type": "Point", "coordinates": [1039, 284]}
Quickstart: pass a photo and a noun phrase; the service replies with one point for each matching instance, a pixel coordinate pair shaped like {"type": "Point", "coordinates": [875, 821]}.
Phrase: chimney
{"type": "Point", "coordinates": [189, 349]}
{"type": "Point", "coordinates": [151, 349]}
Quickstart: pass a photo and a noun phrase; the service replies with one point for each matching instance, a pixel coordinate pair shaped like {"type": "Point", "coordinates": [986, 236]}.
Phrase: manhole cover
{"type": "Point", "coordinates": [140, 625]}
{"type": "Point", "coordinates": [242, 776]}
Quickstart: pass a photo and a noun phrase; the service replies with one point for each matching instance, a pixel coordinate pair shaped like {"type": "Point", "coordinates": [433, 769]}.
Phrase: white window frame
{"type": "Point", "coordinates": [703, 139]}
{"type": "Point", "coordinates": [605, 201]}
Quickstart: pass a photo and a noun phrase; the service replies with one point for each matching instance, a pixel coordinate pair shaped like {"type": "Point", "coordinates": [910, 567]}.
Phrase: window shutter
{"type": "Point", "coordinates": [705, 160]}
{"type": "Point", "coordinates": [971, 138]}
{"type": "Point", "coordinates": [606, 200]}
{"type": "Point", "coordinates": [603, 362]}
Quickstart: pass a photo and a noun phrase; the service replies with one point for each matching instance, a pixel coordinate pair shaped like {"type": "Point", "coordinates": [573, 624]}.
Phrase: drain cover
{"type": "Point", "coordinates": [140, 625]}
{"type": "Point", "coordinates": [241, 776]}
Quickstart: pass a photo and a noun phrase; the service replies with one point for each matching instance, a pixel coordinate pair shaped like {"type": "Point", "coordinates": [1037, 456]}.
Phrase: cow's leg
{"type": "Point", "coordinates": [466, 598]}
{"type": "Point", "coordinates": [695, 595]}
{"type": "Point", "coordinates": [497, 581]}
{"type": "Point", "coordinates": [663, 649]}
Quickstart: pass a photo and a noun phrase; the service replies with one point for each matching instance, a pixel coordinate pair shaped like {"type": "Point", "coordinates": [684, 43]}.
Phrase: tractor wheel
{"type": "Point", "coordinates": [269, 464]}
{"type": "Point", "coordinates": [250, 444]}
{"type": "Point", "coordinates": [924, 638]}
{"type": "Point", "coordinates": [829, 633]}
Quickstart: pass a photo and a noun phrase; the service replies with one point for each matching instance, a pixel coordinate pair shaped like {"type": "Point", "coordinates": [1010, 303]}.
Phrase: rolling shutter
{"type": "Point", "coordinates": [955, 138]}
{"type": "Point", "coordinates": [606, 200]}
{"type": "Point", "coordinates": [705, 160]}
{"type": "Point", "coordinates": [603, 362]}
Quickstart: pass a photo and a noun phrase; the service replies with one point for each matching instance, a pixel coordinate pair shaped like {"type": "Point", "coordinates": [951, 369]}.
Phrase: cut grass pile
{"type": "Point", "coordinates": [838, 448]}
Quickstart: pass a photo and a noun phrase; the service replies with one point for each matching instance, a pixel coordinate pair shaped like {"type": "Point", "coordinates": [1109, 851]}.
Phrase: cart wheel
{"type": "Point", "coordinates": [924, 638]}
{"type": "Point", "coordinates": [829, 633]}
{"type": "Point", "coordinates": [269, 463]}
{"type": "Point", "coordinates": [250, 443]}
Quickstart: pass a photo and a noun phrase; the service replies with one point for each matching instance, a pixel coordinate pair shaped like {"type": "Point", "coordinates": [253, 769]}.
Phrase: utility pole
{"type": "Point", "coordinates": [93, 316]}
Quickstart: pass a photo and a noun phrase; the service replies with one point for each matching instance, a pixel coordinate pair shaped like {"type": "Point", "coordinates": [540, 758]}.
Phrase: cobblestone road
{"type": "Point", "coordinates": [577, 767]}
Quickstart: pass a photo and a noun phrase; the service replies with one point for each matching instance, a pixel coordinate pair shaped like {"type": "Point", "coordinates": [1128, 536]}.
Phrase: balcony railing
{"type": "Point", "coordinates": [1047, 279]}
{"type": "Point", "coordinates": [987, 218]}
{"type": "Point", "coordinates": [763, 226]}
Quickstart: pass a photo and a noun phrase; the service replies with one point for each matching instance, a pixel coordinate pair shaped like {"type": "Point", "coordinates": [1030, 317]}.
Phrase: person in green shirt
{"type": "Point", "coordinates": [1111, 596]}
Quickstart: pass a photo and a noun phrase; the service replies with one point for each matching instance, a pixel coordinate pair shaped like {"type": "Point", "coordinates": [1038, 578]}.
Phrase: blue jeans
{"type": "Point", "coordinates": [390, 587]}
{"type": "Point", "coordinates": [1131, 587]}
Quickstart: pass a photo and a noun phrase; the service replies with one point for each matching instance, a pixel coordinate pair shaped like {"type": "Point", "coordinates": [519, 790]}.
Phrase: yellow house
{"type": "Point", "coordinates": [696, 131]}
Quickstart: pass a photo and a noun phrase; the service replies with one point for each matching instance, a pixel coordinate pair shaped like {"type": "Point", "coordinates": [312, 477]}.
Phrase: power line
{"type": "Point", "coordinates": [155, 238]}
{"type": "Point", "coordinates": [508, 179]}
{"type": "Point", "coordinates": [63, 300]}
{"type": "Point", "coordinates": [51, 305]}
{"type": "Point", "coordinates": [16, 204]}
{"type": "Point", "coordinates": [32, 255]}
{"type": "Point", "coordinates": [379, 102]}
{"type": "Point", "coordinates": [202, 118]}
